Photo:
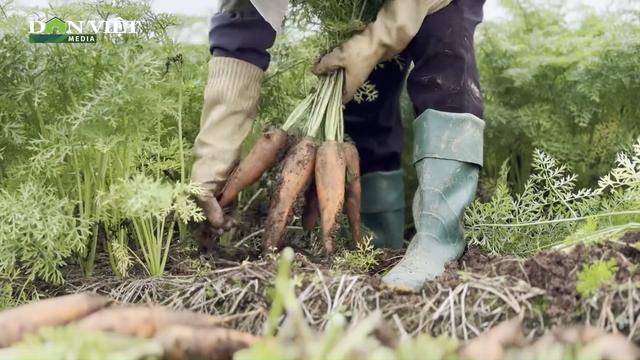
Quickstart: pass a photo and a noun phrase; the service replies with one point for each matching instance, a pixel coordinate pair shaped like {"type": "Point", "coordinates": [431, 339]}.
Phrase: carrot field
{"type": "Point", "coordinates": [98, 257]}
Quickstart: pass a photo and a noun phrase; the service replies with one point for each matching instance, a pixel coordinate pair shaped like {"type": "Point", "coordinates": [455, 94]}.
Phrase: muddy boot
{"type": "Point", "coordinates": [447, 157]}
{"type": "Point", "coordinates": [382, 207]}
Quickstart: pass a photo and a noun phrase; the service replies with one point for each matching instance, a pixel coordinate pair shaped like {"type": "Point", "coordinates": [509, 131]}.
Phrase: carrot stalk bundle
{"type": "Point", "coordinates": [295, 176]}
{"type": "Point", "coordinates": [353, 193]}
{"type": "Point", "coordinates": [333, 168]}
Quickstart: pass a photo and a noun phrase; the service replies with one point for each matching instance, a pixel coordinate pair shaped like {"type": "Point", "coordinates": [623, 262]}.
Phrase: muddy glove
{"type": "Point", "coordinates": [398, 21]}
{"type": "Point", "coordinates": [230, 103]}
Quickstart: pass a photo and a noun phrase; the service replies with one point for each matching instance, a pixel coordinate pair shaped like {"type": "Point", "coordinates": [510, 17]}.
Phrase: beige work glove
{"type": "Point", "coordinates": [230, 103]}
{"type": "Point", "coordinates": [397, 22]}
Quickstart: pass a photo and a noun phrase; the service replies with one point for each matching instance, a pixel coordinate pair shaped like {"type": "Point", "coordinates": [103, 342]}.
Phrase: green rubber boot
{"type": "Point", "coordinates": [447, 158]}
{"type": "Point", "coordinates": [382, 207]}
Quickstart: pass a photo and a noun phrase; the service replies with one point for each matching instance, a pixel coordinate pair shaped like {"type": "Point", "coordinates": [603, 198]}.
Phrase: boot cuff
{"type": "Point", "coordinates": [382, 191]}
{"type": "Point", "coordinates": [450, 136]}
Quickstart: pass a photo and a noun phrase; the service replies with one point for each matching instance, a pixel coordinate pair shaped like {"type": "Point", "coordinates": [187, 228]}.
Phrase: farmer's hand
{"type": "Point", "coordinates": [208, 232]}
{"type": "Point", "coordinates": [398, 21]}
{"type": "Point", "coordinates": [219, 221]}
{"type": "Point", "coordinates": [356, 69]}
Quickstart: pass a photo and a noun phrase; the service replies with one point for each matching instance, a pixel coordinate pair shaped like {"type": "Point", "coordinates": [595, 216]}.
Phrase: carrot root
{"type": "Point", "coordinates": [295, 176]}
{"type": "Point", "coordinates": [17, 322]}
{"type": "Point", "coordinates": [185, 342]}
{"type": "Point", "coordinates": [353, 191]}
{"type": "Point", "coordinates": [141, 321]}
{"type": "Point", "coordinates": [330, 183]}
{"type": "Point", "coordinates": [264, 154]}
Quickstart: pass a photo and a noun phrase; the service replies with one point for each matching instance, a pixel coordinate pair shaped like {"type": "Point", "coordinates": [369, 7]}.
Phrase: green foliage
{"type": "Point", "coordinates": [567, 87]}
{"type": "Point", "coordinates": [70, 343]}
{"type": "Point", "coordinates": [593, 277]}
{"type": "Point", "coordinates": [79, 120]}
{"type": "Point", "coordinates": [361, 259]}
{"type": "Point", "coordinates": [429, 348]}
{"type": "Point", "coordinates": [37, 232]}
{"type": "Point", "coordinates": [335, 21]}
{"type": "Point", "coordinates": [6, 296]}
{"type": "Point", "coordinates": [551, 208]}
{"type": "Point", "coordinates": [152, 207]}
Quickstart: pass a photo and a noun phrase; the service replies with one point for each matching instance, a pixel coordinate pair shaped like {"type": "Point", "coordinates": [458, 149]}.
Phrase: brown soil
{"type": "Point", "coordinates": [553, 271]}
{"type": "Point", "coordinates": [492, 289]}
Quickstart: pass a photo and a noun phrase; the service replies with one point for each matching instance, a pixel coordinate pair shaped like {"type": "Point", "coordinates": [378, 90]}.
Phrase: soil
{"type": "Point", "coordinates": [544, 287]}
{"type": "Point", "coordinates": [553, 271]}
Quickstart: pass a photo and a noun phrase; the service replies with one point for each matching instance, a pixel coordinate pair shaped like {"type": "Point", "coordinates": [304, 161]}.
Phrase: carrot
{"type": "Point", "coordinates": [184, 342]}
{"type": "Point", "coordinates": [17, 322]}
{"type": "Point", "coordinates": [311, 211]}
{"type": "Point", "coordinates": [142, 321]}
{"type": "Point", "coordinates": [330, 184]}
{"type": "Point", "coordinates": [353, 191]}
{"type": "Point", "coordinates": [296, 173]}
{"type": "Point", "coordinates": [261, 158]}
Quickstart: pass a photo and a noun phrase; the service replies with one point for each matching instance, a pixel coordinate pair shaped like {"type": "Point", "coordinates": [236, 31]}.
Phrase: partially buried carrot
{"type": "Point", "coordinates": [330, 184]}
{"type": "Point", "coordinates": [296, 173]}
{"type": "Point", "coordinates": [353, 191]}
{"type": "Point", "coordinates": [262, 157]}
{"type": "Point", "coordinates": [187, 342]}
{"type": "Point", "coordinates": [22, 320]}
{"type": "Point", "coordinates": [311, 211]}
{"type": "Point", "coordinates": [142, 321]}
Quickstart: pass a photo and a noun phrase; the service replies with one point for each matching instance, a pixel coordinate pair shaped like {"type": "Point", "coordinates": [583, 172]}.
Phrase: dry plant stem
{"type": "Point", "coordinates": [295, 176]}
{"type": "Point", "coordinates": [264, 154]}
{"type": "Point", "coordinates": [353, 192]}
{"type": "Point", "coordinates": [330, 184]}
{"type": "Point", "coordinates": [59, 311]}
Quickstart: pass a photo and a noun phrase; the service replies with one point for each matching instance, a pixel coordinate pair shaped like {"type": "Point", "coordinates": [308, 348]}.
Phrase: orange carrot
{"type": "Point", "coordinates": [353, 191]}
{"type": "Point", "coordinates": [142, 321]}
{"type": "Point", "coordinates": [261, 158]}
{"type": "Point", "coordinates": [187, 342]}
{"type": "Point", "coordinates": [330, 183]}
{"type": "Point", "coordinates": [311, 211]}
{"type": "Point", "coordinates": [296, 173]}
{"type": "Point", "coordinates": [25, 319]}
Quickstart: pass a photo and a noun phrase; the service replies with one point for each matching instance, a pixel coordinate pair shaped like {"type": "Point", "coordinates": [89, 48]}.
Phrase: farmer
{"type": "Point", "coordinates": [443, 88]}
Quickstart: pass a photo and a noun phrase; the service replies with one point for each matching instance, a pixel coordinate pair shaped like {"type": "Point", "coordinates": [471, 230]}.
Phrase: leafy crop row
{"type": "Point", "coordinates": [95, 140]}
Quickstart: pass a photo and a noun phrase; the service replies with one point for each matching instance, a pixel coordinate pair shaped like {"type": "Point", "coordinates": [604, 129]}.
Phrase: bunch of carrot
{"type": "Point", "coordinates": [327, 174]}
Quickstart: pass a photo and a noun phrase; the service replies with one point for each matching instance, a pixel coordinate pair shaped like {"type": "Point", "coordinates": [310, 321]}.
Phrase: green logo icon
{"type": "Point", "coordinates": [56, 30]}
{"type": "Point", "coordinates": [55, 25]}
